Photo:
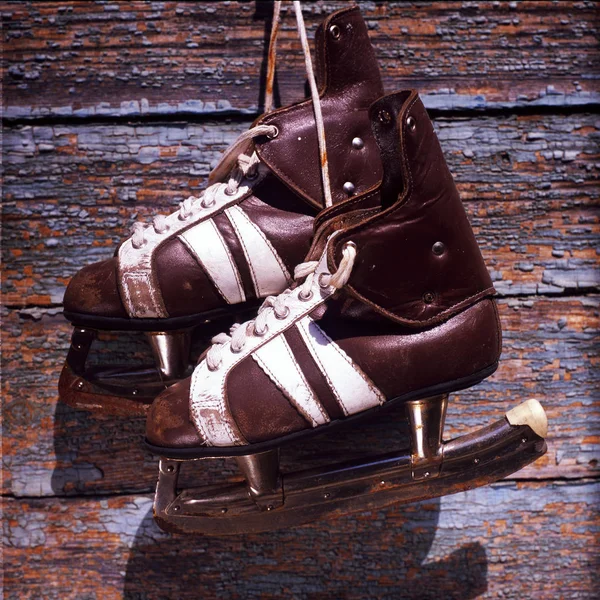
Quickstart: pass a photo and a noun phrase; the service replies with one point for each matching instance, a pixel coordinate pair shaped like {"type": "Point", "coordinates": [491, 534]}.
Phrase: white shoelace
{"type": "Point", "coordinates": [278, 306]}
{"type": "Point", "coordinates": [237, 161]}
{"type": "Point", "coordinates": [246, 167]}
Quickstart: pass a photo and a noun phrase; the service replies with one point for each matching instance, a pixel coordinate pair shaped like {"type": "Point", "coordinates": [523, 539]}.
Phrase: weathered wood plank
{"type": "Point", "coordinates": [134, 58]}
{"type": "Point", "coordinates": [71, 194]}
{"type": "Point", "coordinates": [527, 157]}
{"type": "Point", "coordinates": [530, 247]}
{"type": "Point", "coordinates": [510, 541]}
{"type": "Point", "coordinates": [550, 352]}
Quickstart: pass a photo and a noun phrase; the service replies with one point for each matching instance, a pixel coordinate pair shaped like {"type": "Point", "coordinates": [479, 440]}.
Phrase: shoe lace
{"type": "Point", "coordinates": [279, 306]}
{"type": "Point", "coordinates": [238, 162]}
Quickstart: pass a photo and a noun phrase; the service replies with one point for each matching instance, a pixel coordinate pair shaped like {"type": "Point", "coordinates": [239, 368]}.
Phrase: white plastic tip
{"type": "Point", "coordinates": [529, 413]}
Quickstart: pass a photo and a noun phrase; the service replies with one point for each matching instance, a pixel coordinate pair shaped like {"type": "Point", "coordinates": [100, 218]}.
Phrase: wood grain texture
{"type": "Point", "coordinates": [115, 111]}
{"type": "Point", "coordinates": [147, 58]}
{"type": "Point", "coordinates": [72, 193]}
{"type": "Point", "coordinates": [550, 352]}
{"type": "Point", "coordinates": [509, 541]}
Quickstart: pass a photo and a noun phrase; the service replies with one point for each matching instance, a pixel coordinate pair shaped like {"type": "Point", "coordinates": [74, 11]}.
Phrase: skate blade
{"type": "Point", "coordinates": [121, 390]}
{"type": "Point", "coordinates": [467, 462]}
{"type": "Point", "coordinates": [118, 391]}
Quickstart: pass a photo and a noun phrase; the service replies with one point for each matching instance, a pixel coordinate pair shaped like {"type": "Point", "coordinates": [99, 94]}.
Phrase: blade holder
{"type": "Point", "coordinates": [263, 480]}
{"type": "Point", "coordinates": [81, 342]}
{"type": "Point", "coordinates": [427, 418]}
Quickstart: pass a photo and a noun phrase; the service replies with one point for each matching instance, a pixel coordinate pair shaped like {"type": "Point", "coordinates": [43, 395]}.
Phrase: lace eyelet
{"type": "Point", "coordinates": [384, 116]}
{"type": "Point", "coordinates": [212, 369]}
{"type": "Point", "coordinates": [262, 333]}
{"type": "Point", "coordinates": [285, 315]}
{"type": "Point", "coordinates": [205, 205]}
{"type": "Point", "coordinates": [275, 133]}
{"type": "Point", "coordinates": [335, 32]}
{"type": "Point", "coordinates": [229, 193]}
{"type": "Point", "coordinates": [322, 283]}
{"type": "Point", "coordinates": [252, 175]}
{"type": "Point", "coordinates": [236, 351]}
{"type": "Point", "coordinates": [307, 297]}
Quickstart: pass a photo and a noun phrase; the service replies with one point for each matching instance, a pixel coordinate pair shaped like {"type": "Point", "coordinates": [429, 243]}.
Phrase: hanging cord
{"type": "Point", "coordinates": [230, 156]}
{"type": "Point", "coordinates": [238, 162]}
{"type": "Point", "coordinates": [314, 92]}
{"type": "Point", "coordinates": [272, 57]}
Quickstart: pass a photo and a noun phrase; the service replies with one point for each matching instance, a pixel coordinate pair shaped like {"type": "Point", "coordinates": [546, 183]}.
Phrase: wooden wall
{"type": "Point", "coordinates": [114, 111]}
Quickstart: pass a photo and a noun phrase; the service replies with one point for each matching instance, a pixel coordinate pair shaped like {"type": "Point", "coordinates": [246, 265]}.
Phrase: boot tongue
{"type": "Point", "coordinates": [349, 82]}
{"type": "Point", "coordinates": [387, 115]}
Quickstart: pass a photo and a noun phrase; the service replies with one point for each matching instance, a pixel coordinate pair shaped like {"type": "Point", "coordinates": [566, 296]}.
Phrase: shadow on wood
{"type": "Point", "coordinates": [335, 559]}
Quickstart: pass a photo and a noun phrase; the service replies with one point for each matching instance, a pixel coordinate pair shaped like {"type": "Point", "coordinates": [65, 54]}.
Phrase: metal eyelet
{"type": "Point", "coordinates": [212, 369]}
{"type": "Point", "coordinates": [411, 123]}
{"type": "Point", "coordinates": [350, 244]}
{"type": "Point", "coordinates": [236, 350]}
{"type": "Point", "coordinates": [438, 248]}
{"type": "Point", "coordinates": [252, 175]}
{"type": "Point", "coordinates": [384, 116]}
{"type": "Point", "coordinates": [428, 297]}
{"type": "Point", "coordinates": [229, 193]}
{"type": "Point", "coordinates": [305, 298]}
{"type": "Point", "coordinates": [262, 333]}
{"type": "Point", "coordinates": [335, 32]}
{"type": "Point", "coordinates": [204, 205]}
{"type": "Point", "coordinates": [322, 283]}
{"type": "Point", "coordinates": [285, 315]}
{"type": "Point", "coordinates": [273, 135]}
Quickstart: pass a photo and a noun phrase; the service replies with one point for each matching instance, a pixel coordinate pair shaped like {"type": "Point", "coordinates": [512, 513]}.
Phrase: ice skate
{"type": "Point", "coordinates": [237, 243]}
{"type": "Point", "coordinates": [393, 306]}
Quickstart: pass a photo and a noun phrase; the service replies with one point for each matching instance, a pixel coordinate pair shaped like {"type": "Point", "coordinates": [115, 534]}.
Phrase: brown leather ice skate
{"type": "Point", "coordinates": [238, 242]}
{"type": "Point", "coordinates": [392, 306]}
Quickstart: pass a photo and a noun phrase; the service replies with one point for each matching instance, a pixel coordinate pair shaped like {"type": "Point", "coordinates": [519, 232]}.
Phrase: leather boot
{"type": "Point", "coordinates": [237, 243]}
{"type": "Point", "coordinates": [393, 304]}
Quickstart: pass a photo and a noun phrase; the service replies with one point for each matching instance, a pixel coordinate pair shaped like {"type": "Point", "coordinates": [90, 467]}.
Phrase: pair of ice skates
{"type": "Point", "coordinates": [339, 212]}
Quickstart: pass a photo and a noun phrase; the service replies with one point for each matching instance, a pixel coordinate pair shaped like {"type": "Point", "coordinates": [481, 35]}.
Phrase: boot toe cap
{"type": "Point", "coordinates": [169, 424]}
{"type": "Point", "coordinates": [94, 291]}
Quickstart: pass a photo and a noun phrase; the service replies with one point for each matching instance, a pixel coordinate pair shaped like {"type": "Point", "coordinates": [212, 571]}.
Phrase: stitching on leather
{"type": "Point", "coordinates": [294, 185]}
{"type": "Point", "coordinates": [321, 366]}
{"type": "Point", "coordinates": [269, 245]}
{"type": "Point", "coordinates": [293, 323]}
{"type": "Point", "coordinates": [431, 320]}
{"type": "Point", "coordinates": [234, 268]}
{"type": "Point", "coordinates": [498, 326]}
{"type": "Point", "coordinates": [149, 263]}
{"type": "Point", "coordinates": [350, 362]}
{"type": "Point", "coordinates": [265, 367]}
{"type": "Point", "coordinates": [236, 271]}
{"type": "Point", "coordinates": [201, 265]}
{"type": "Point", "coordinates": [224, 411]}
{"type": "Point", "coordinates": [301, 105]}
{"type": "Point", "coordinates": [274, 379]}
{"type": "Point", "coordinates": [246, 254]}
{"type": "Point", "coordinates": [340, 209]}
{"type": "Point", "coordinates": [361, 227]}
{"type": "Point", "coordinates": [303, 377]}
